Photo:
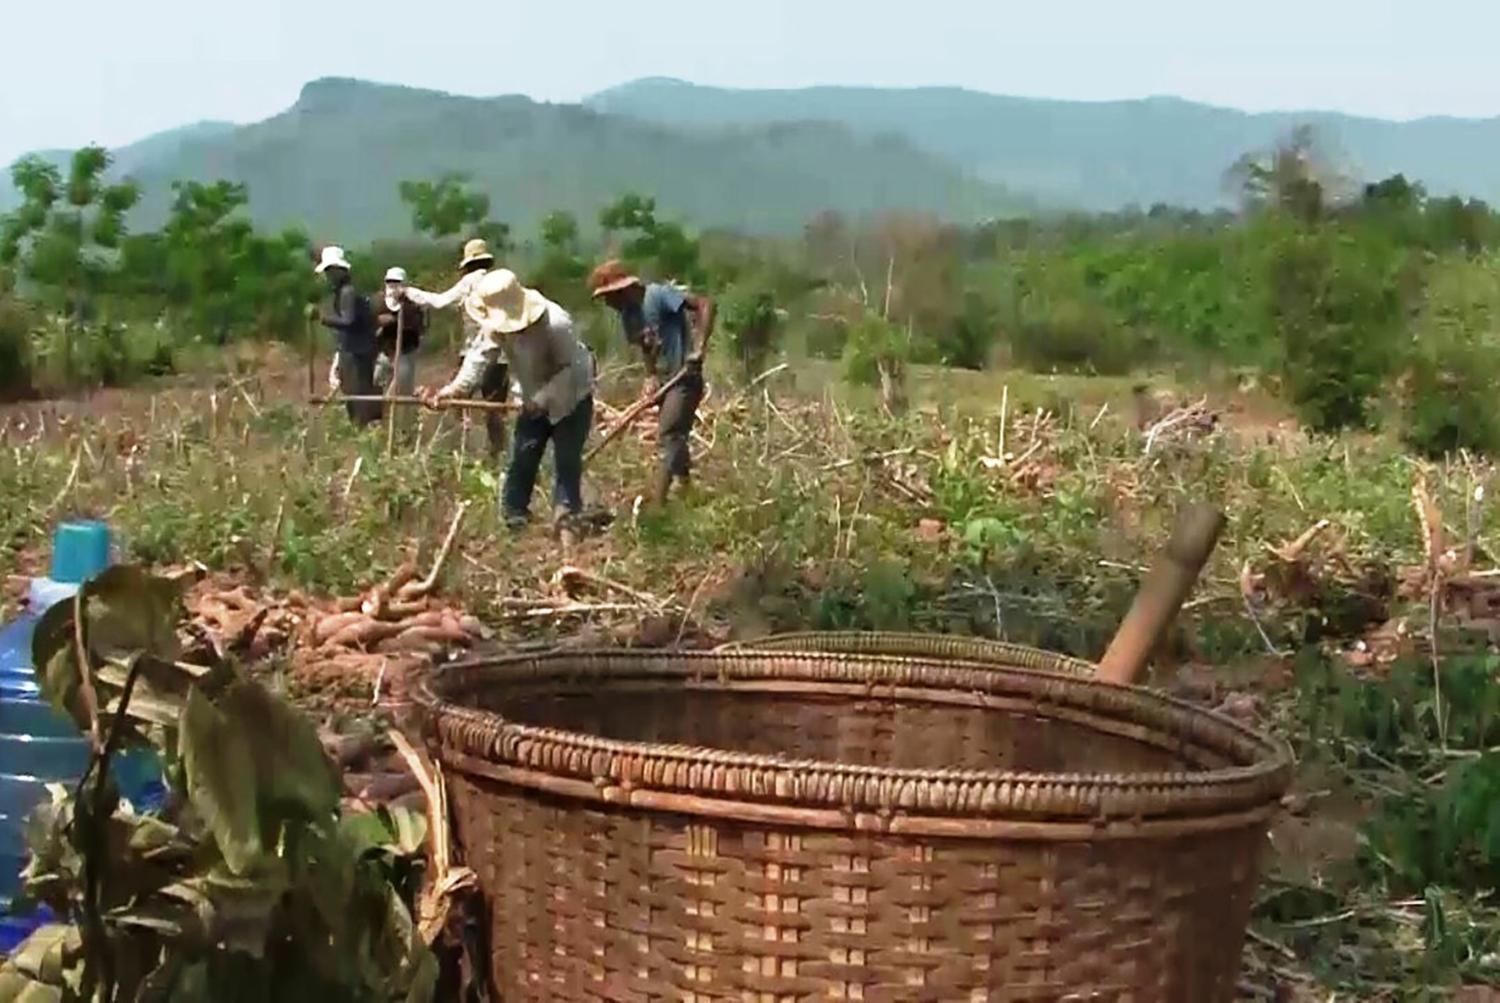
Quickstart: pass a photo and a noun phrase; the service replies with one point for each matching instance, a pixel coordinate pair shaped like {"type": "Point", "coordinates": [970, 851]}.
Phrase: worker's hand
{"type": "Point", "coordinates": [430, 396]}
{"type": "Point", "coordinates": [652, 386]}
{"type": "Point", "coordinates": [313, 312]}
{"type": "Point", "coordinates": [532, 408]}
{"type": "Point", "coordinates": [695, 362]}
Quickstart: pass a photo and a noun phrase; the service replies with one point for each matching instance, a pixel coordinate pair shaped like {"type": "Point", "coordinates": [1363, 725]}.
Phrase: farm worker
{"type": "Point", "coordinates": [413, 323]}
{"type": "Point", "coordinates": [347, 313]}
{"type": "Point", "coordinates": [494, 382]}
{"type": "Point", "coordinates": [671, 327]}
{"type": "Point", "coordinates": [556, 374]}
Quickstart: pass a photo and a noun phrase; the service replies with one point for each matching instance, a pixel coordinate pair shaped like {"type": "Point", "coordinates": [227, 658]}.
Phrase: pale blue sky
{"type": "Point", "coordinates": [110, 71]}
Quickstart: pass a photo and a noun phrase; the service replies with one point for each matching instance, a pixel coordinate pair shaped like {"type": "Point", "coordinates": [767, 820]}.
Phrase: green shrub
{"type": "Point", "coordinates": [16, 324]}
{"type": "Point", "coordinates": [1448, 399]}
{"type": "Point", "coordinates": [1332, 302]}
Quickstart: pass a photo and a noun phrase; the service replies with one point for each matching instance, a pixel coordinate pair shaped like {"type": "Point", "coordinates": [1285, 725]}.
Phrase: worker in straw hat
{"type": "Point", "coordinates": [671, 327]}
{"type": "Point", "coordinates": [347, 313]}
{"type": "Point", "coordinates": [397, 315]}
{"type": "Point", "coordinates": [556, 374]}
{"type": "Point", "coordinates": [494, 382]}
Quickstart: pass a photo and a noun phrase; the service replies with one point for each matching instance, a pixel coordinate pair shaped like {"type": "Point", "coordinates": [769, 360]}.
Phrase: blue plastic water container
{"type": "Point", "coordinates": [38, 744]}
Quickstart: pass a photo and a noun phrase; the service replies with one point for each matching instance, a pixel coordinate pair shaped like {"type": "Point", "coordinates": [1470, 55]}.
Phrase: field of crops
{"type": "Point", "coordinates": [1350, 609]}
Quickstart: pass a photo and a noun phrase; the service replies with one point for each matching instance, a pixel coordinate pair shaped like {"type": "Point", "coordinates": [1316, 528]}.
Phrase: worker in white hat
{"type": "Point", "coordinates": [494, 383]}
{"type": "Point", "coordinates": [556, 374]}
{"type": "Point", "coordinates": [397, 313]}
{"type": "Point", "coordinates": [347, 313]}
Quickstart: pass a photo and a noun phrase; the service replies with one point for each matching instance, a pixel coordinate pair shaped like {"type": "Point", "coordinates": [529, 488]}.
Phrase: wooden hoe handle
{"type": "Point", "coordinates": [1166, 586]}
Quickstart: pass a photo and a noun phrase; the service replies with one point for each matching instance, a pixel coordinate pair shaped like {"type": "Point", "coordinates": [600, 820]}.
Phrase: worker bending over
{"type": "Point", "coordinates": [671, 327]}
{"type": "Point", "coordinates": [555, 371]}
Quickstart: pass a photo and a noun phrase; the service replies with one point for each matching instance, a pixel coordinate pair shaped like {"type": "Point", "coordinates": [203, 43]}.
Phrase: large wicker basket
{"type": "Point", "coordinates": [942, 647]}
{"type": "Point", "coordinates": [810, 826]}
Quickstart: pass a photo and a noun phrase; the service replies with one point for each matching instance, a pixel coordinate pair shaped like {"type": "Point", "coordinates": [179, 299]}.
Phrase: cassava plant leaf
{"type": "Point", "coordinates": [218, 756]}
{"type": "Point", "coordinates": [18, 988]}
{"type": "Point", "coordinates": [294, 777]}
{"type": "Point", "coordinates": [129, 615]}
{"type": "Point", "coordinates": [390, 828]}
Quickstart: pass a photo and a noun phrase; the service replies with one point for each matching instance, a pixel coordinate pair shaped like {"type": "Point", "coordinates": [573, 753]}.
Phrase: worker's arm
{"type": "Point", "coordinates": [339, 311]}
{"type": "Point", "coordinates": [563, 347]}
{"type": "Point", "coordinates": [477, 357]}
{"type": "Point", "coordinates": [442, 300]}
{"type": "Point", "coordinates": [704, 312]}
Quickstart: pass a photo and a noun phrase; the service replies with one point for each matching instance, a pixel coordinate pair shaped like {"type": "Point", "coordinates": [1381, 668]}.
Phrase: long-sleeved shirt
{"type": "Point", "coordinates": [342, 314]}
{"type": "Point", "coordinates": [555, 369]}
{"type": "Point", "coordinates": [451, 297]}
{"type": "Point", "coordinates": [413, 325]}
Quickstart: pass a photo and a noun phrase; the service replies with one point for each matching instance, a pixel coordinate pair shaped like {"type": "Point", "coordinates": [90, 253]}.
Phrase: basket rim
{"type": "Point", "coordinates": [464, 736]}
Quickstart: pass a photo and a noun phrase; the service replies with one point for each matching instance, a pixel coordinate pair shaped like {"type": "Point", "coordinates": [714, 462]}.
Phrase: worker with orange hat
{"type": "Point", "coordinates": [671, 327]}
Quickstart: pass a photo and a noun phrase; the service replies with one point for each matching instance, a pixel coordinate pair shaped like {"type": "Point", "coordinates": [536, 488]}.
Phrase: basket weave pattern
{"type": "Point", "coordinates": [814, 851]}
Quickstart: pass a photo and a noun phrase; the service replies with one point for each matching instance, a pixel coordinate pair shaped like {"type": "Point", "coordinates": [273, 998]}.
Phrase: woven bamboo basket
{"type": "Point", "coordinates": [944, 647]}
{"type": "Point", "coordinates": [828, 825]}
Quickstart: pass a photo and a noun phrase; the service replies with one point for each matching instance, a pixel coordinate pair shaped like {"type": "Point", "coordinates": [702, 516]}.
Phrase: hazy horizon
{"type": "Point", "coordinates": [129, 73]}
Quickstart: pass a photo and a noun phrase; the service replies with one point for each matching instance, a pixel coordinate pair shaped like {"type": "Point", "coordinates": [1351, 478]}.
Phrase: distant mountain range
{"type": "Point", "coordinates": [762, 161]}
{"type": "Point", "coordinates": [1091, 155]}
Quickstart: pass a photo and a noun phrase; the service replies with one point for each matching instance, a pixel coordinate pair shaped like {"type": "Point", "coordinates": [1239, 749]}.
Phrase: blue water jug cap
{"type": "Point", "coordinates": [80, 550]}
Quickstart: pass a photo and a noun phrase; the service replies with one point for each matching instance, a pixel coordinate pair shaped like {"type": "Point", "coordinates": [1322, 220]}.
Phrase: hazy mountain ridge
{"type": "Point", "coordinates": [332, 162]}
{"type": "Point", "coordinates": [1100, 155]}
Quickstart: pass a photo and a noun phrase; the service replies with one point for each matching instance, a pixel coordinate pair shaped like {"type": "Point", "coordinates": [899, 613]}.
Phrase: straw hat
{"type": "Point", "coordinates": [611, 277]}
{"type": "Point", "coordinates": [395, 274]}
{"type": "Point", "coordinates": [499, 304]}
{"type": "Point", "coordinates": [475, 250]}
{"type": "Point", "coordinates": [333, 257]}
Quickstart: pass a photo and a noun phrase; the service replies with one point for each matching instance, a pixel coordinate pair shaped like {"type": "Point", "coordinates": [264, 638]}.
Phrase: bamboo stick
{"type": "Point", "coordinates": [632, 413]}
{"type": "Point", "coordinates": [1167, 584]}
{"type": "Point", "coordinates": [441, 405]}
{"type": "Point", "coordinates": [390, 412]}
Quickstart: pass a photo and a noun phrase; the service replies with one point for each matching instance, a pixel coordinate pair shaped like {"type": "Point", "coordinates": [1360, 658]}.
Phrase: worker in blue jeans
{"type": "Point", "coordinates": [556, 374]}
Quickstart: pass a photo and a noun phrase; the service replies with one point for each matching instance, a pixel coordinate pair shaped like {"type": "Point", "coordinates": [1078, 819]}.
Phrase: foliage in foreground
{"type": "Point", "coordinates": [249, 882]}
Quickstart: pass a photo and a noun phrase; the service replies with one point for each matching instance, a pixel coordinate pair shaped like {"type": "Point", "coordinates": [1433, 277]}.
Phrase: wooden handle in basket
{"type": "Point", "coordinates": [1167, 584]}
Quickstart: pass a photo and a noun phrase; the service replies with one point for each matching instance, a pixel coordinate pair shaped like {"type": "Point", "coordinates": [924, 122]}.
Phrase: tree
{"type": "Point", "coordinates": [663, 245]}
{"type": "Point", "coordinates": [445, 207]}
{"type": "Point", "coordinates": [562, 270]}
{"type": "Point", "coordinates": [216, 272]}
{"type": "Point", "coordinates": [63, 237]}
{"type": "Point", "coordinates": [1296, 177]}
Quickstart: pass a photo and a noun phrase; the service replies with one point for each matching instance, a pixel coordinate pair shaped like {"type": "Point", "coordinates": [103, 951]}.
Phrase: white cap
{"type": "Point", "coordinates": [395, 274]}
{"type": "Point", "coordinates": [333, 257]}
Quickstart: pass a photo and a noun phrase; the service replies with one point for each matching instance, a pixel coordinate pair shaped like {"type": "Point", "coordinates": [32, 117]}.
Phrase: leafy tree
{"type": "Point", "coordinates": [216, 272]}
{"type": "Point", "coordinates": [445, 207]}
{"type": "Point", "coordinates": [63, 237]}
{"type": "Point", "coordinates": [663, 247]}
{"type": "Point", "coordinates": [1296, 177]}
{"type": "Point", "coordinates": [562, 269]}
{"type": "Point", "coordinates": [751, 322]}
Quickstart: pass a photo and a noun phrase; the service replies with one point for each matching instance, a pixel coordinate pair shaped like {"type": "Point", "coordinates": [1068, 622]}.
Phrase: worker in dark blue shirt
{"type": "Point", "coordinates": [671, 327]}
{"type": "Point", "coordinates": [347, 313]}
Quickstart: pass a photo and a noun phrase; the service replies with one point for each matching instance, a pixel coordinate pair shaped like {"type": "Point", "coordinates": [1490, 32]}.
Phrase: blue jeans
{"type": "Point", "coordinates": [531, 435]}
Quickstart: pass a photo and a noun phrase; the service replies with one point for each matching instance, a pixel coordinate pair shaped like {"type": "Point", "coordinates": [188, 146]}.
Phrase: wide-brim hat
{"type": "Point", "coordinates": [475, 250]}
{"type": "Point", "coordinates": [333, 257]}
{"type": "Point", "coordinates": [611, 277]}
{"type": "Point", "coordinates": [395, 274]}
{"type": "Point", "coordinates": [499, 304]}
